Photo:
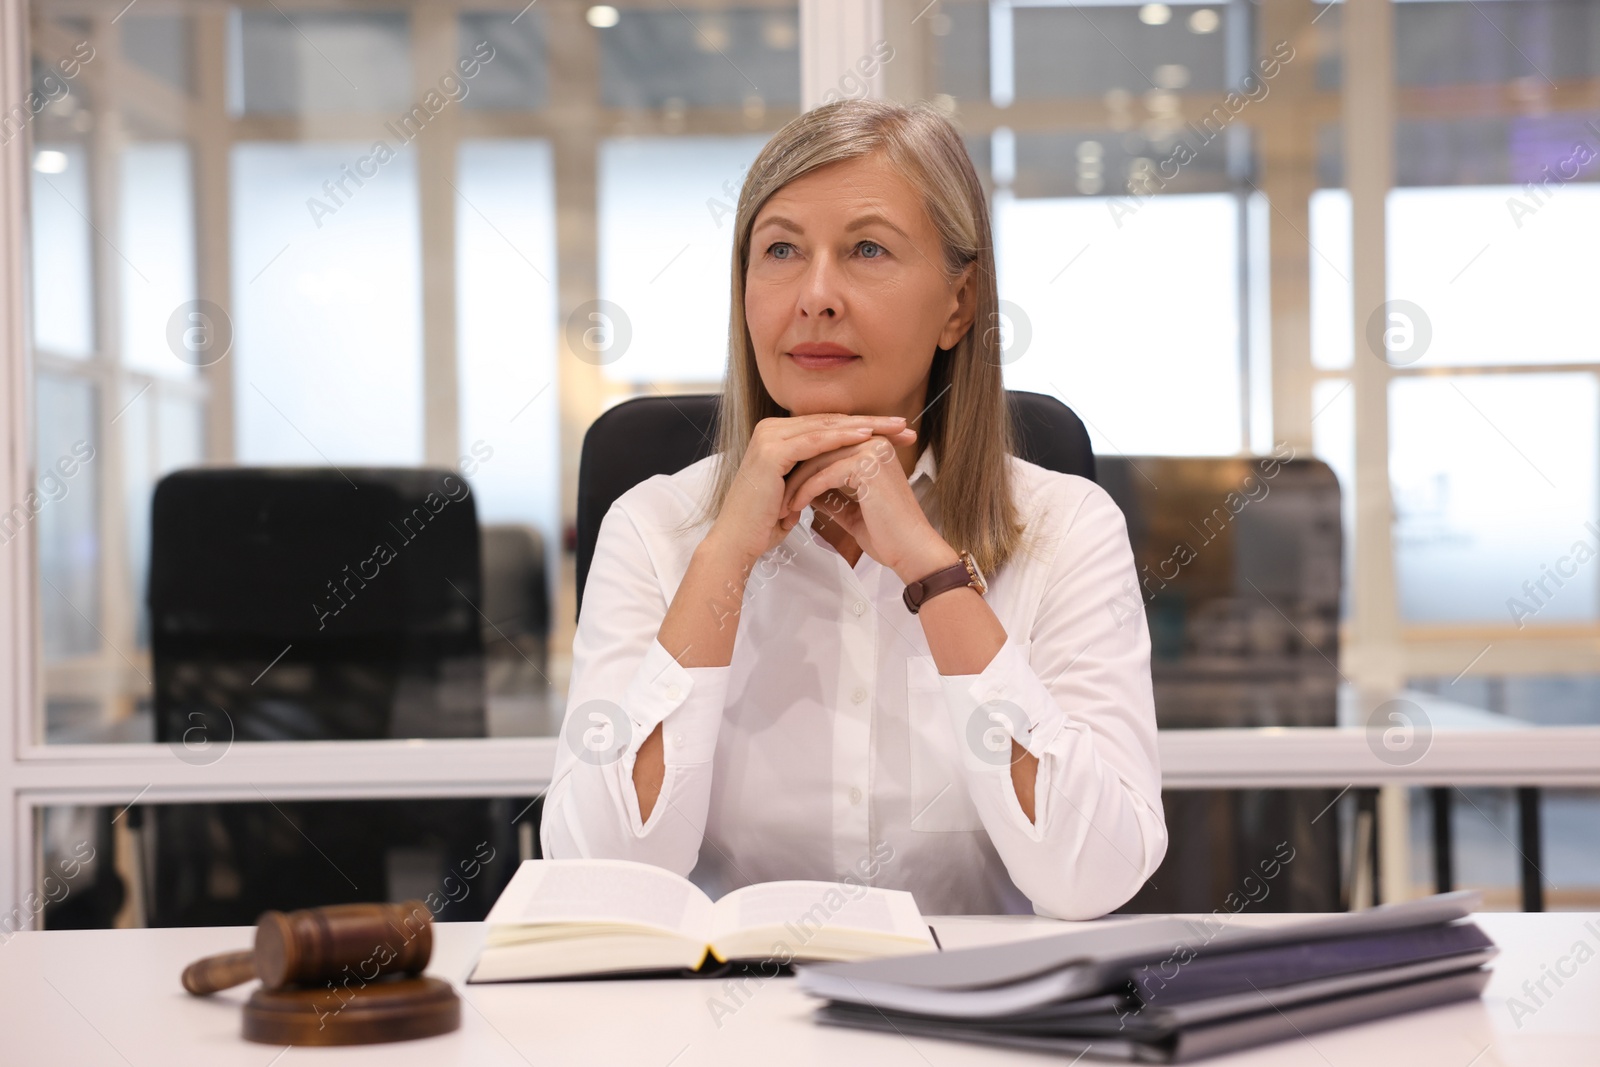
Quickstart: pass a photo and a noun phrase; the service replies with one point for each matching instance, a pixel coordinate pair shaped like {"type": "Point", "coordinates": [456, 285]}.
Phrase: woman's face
{"type": "Point", "coordinates": [845, 263]}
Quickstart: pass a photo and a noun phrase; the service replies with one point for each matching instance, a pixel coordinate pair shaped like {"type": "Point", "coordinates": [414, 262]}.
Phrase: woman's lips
{"type": "Point", "coordinates": [822, 355]}
{"type": "Point", "coordinates": [821, 362]}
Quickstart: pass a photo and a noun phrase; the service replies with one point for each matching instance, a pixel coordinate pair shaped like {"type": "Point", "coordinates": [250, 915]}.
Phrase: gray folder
{"type": "Point", "coordinates": [1274, 1020]}
{"type": "Point", "coordinates": [1004, 979]}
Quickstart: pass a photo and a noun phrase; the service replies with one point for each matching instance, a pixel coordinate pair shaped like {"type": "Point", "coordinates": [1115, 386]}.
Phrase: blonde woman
{"type": "Point", "coordinates": [863, 641]}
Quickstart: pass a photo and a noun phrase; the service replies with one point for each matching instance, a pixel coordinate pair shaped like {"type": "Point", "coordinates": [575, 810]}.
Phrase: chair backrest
{"type": "Point", "coordinates": [1239, 562]}
{"type": "Point", "coordinates": [359, 589]}
{"type": "Point", "coordinates": [652, 435]}
{"type": "Point", "coordinates": [277, 614]}
{"type": "Point", "coordinates": [516, 588]}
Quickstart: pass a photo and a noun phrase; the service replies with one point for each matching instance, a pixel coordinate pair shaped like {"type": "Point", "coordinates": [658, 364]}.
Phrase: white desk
{"type": "Point", "coordinates": [112, 997]}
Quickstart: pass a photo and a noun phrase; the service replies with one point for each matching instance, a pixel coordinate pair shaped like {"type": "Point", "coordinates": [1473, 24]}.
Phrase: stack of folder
{"type": "Point", "coordinates": [1170, 990]}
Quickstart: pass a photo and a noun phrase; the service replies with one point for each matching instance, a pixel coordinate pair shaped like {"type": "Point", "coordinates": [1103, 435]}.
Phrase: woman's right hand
{"type": "Point", "coordinates": [753, 521]}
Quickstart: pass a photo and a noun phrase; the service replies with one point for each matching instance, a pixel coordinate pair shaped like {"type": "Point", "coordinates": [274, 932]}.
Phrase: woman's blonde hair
{"type": "Point", "coordinates": [971, 495]}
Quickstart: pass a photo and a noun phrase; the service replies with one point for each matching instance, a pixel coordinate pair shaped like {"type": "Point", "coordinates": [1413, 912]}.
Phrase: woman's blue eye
{"type": "Point", "coordinates": [771, 249]}
{"type": "Point", "coordinates": [872, 244]}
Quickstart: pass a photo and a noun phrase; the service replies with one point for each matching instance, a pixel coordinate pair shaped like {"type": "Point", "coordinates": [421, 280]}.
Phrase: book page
{"type": "Point", "coordinates": [602, 891]}
{"type": "Point", "coordinates": [803, 908]}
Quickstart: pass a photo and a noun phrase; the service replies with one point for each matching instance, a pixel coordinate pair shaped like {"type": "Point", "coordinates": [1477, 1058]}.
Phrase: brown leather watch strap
{"type": "Point", "coordinates": [941, 581]}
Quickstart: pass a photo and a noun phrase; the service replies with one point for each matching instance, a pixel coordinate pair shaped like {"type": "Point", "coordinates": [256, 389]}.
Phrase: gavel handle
{"type": "Point", "coordinates": [219, 972]}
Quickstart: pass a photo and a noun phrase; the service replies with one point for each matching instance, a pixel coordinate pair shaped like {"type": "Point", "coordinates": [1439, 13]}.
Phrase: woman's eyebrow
{"type": "Point", "coordinates": [867, 220]}
{"type": "Point", "coordinates": [780, 222]}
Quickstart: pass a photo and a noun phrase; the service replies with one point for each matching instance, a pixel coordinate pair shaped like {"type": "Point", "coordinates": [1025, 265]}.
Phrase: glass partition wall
{"type": "Point", "coordinates": [352, 238]}
{"type": "Point", "coordinates": [325, 235]}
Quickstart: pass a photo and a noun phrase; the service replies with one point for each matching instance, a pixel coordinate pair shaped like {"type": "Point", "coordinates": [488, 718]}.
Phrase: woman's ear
{"type": "Point", "coordinates": [965, 292]}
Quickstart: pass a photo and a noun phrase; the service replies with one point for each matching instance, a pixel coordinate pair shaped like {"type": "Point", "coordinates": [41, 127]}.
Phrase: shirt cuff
{"type": "Point", "coordinates": [692, 696]}
{"type": "Point", "coordinates": [1009, 691]}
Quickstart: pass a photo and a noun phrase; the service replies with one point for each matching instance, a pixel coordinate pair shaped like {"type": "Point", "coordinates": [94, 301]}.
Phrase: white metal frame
{"type": "Point", "coordinates": [18, 654]}
{"type": "Point", "coordinates": [834, 33]}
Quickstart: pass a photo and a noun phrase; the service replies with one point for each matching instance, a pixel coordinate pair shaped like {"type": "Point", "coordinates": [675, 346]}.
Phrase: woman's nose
{"type": "Point", "coordinates": [821, 293]}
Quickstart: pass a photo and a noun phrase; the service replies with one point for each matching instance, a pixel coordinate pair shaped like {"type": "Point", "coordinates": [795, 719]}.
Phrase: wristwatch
{"type": "Point", "coordinates": [955, 576]}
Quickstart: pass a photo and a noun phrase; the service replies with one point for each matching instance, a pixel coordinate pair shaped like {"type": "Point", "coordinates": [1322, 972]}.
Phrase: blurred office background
{"type": "Point", "coordinates": [556, 240]}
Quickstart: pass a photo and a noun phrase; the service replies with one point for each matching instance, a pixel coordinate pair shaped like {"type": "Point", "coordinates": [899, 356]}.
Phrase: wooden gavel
{"type": "Point", "coordinates": [314, 946]}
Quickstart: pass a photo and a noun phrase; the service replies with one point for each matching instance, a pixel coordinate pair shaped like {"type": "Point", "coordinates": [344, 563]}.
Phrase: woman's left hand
{"type": "Point", "coordinates": [864, 489]}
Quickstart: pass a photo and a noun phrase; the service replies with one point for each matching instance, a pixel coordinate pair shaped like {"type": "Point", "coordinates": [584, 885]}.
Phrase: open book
{"type": "Point", "coordinates": [574, 918]}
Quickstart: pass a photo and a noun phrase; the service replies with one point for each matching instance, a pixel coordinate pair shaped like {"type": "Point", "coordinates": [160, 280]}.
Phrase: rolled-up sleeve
{"type": "Point", "coordinates": [1076, 692]}
{"type": "Point", "coordinates": [624, 683]}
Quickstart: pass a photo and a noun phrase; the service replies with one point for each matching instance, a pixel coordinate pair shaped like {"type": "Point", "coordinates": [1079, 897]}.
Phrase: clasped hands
{"type": "Point", "coordinates": [844, 466]}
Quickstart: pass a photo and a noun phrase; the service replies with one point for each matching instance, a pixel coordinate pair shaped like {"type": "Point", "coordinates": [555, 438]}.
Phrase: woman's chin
{"type": "Point", "coordinates": [819, 401]}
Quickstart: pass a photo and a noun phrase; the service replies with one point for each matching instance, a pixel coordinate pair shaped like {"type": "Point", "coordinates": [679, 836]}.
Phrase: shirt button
{"type": "Point", "coordinates": [858, 607]}
{"type": "Point", "coordinates": [673, 692]}
{"type": "Point", "coordinates": [677, 740]}
{"type": "Point", "coordinates": [858, 696]}
{"type": "Point", "coordinates": [855, 795]}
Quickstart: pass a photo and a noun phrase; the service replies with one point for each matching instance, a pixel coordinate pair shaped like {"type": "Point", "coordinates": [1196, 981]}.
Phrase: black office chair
{"type": "Point", "coordinates": [1244, 631]}
{"type": "Point", "coordinates": [680, 430]}
{"type": "Point", "coordinates": [314, 604]}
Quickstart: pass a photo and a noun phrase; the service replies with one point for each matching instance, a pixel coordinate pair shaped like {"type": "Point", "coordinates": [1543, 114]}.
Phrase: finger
{"type": "Point", "coordinates": [842, 475]}
{"type": "Point", "coordinates": [819, 443]}
{"type": "Point", "coordinates": [802, 424]}
{"type": "Point", "coordinates": [830, 501]}
{"type": "Point", "coordinates": [798, 427]}
{"type": "Point", "coordinates": [805, 468]}
{"type": "Point", "coordinates": [802, 473]}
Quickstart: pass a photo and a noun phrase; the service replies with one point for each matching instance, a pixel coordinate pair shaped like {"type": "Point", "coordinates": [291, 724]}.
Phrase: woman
{"type": "Point", "coordinates": [754, 696]}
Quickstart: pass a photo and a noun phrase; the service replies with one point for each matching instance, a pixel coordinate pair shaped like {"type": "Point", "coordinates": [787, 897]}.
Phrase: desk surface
{"type": "Point", "coordinates": [112, 997]}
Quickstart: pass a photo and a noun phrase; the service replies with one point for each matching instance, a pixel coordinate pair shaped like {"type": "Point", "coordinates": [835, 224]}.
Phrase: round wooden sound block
{"type": "Point", "coordinates": [396, 1009]}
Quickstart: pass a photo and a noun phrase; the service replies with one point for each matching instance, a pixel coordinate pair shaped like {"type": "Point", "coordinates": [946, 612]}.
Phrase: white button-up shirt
{"type": "Point", "coordinates": [831, 748]}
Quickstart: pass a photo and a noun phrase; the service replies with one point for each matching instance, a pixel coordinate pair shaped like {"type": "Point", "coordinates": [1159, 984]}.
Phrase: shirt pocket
{"type": "Point", "coordinates": [940, 801]}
